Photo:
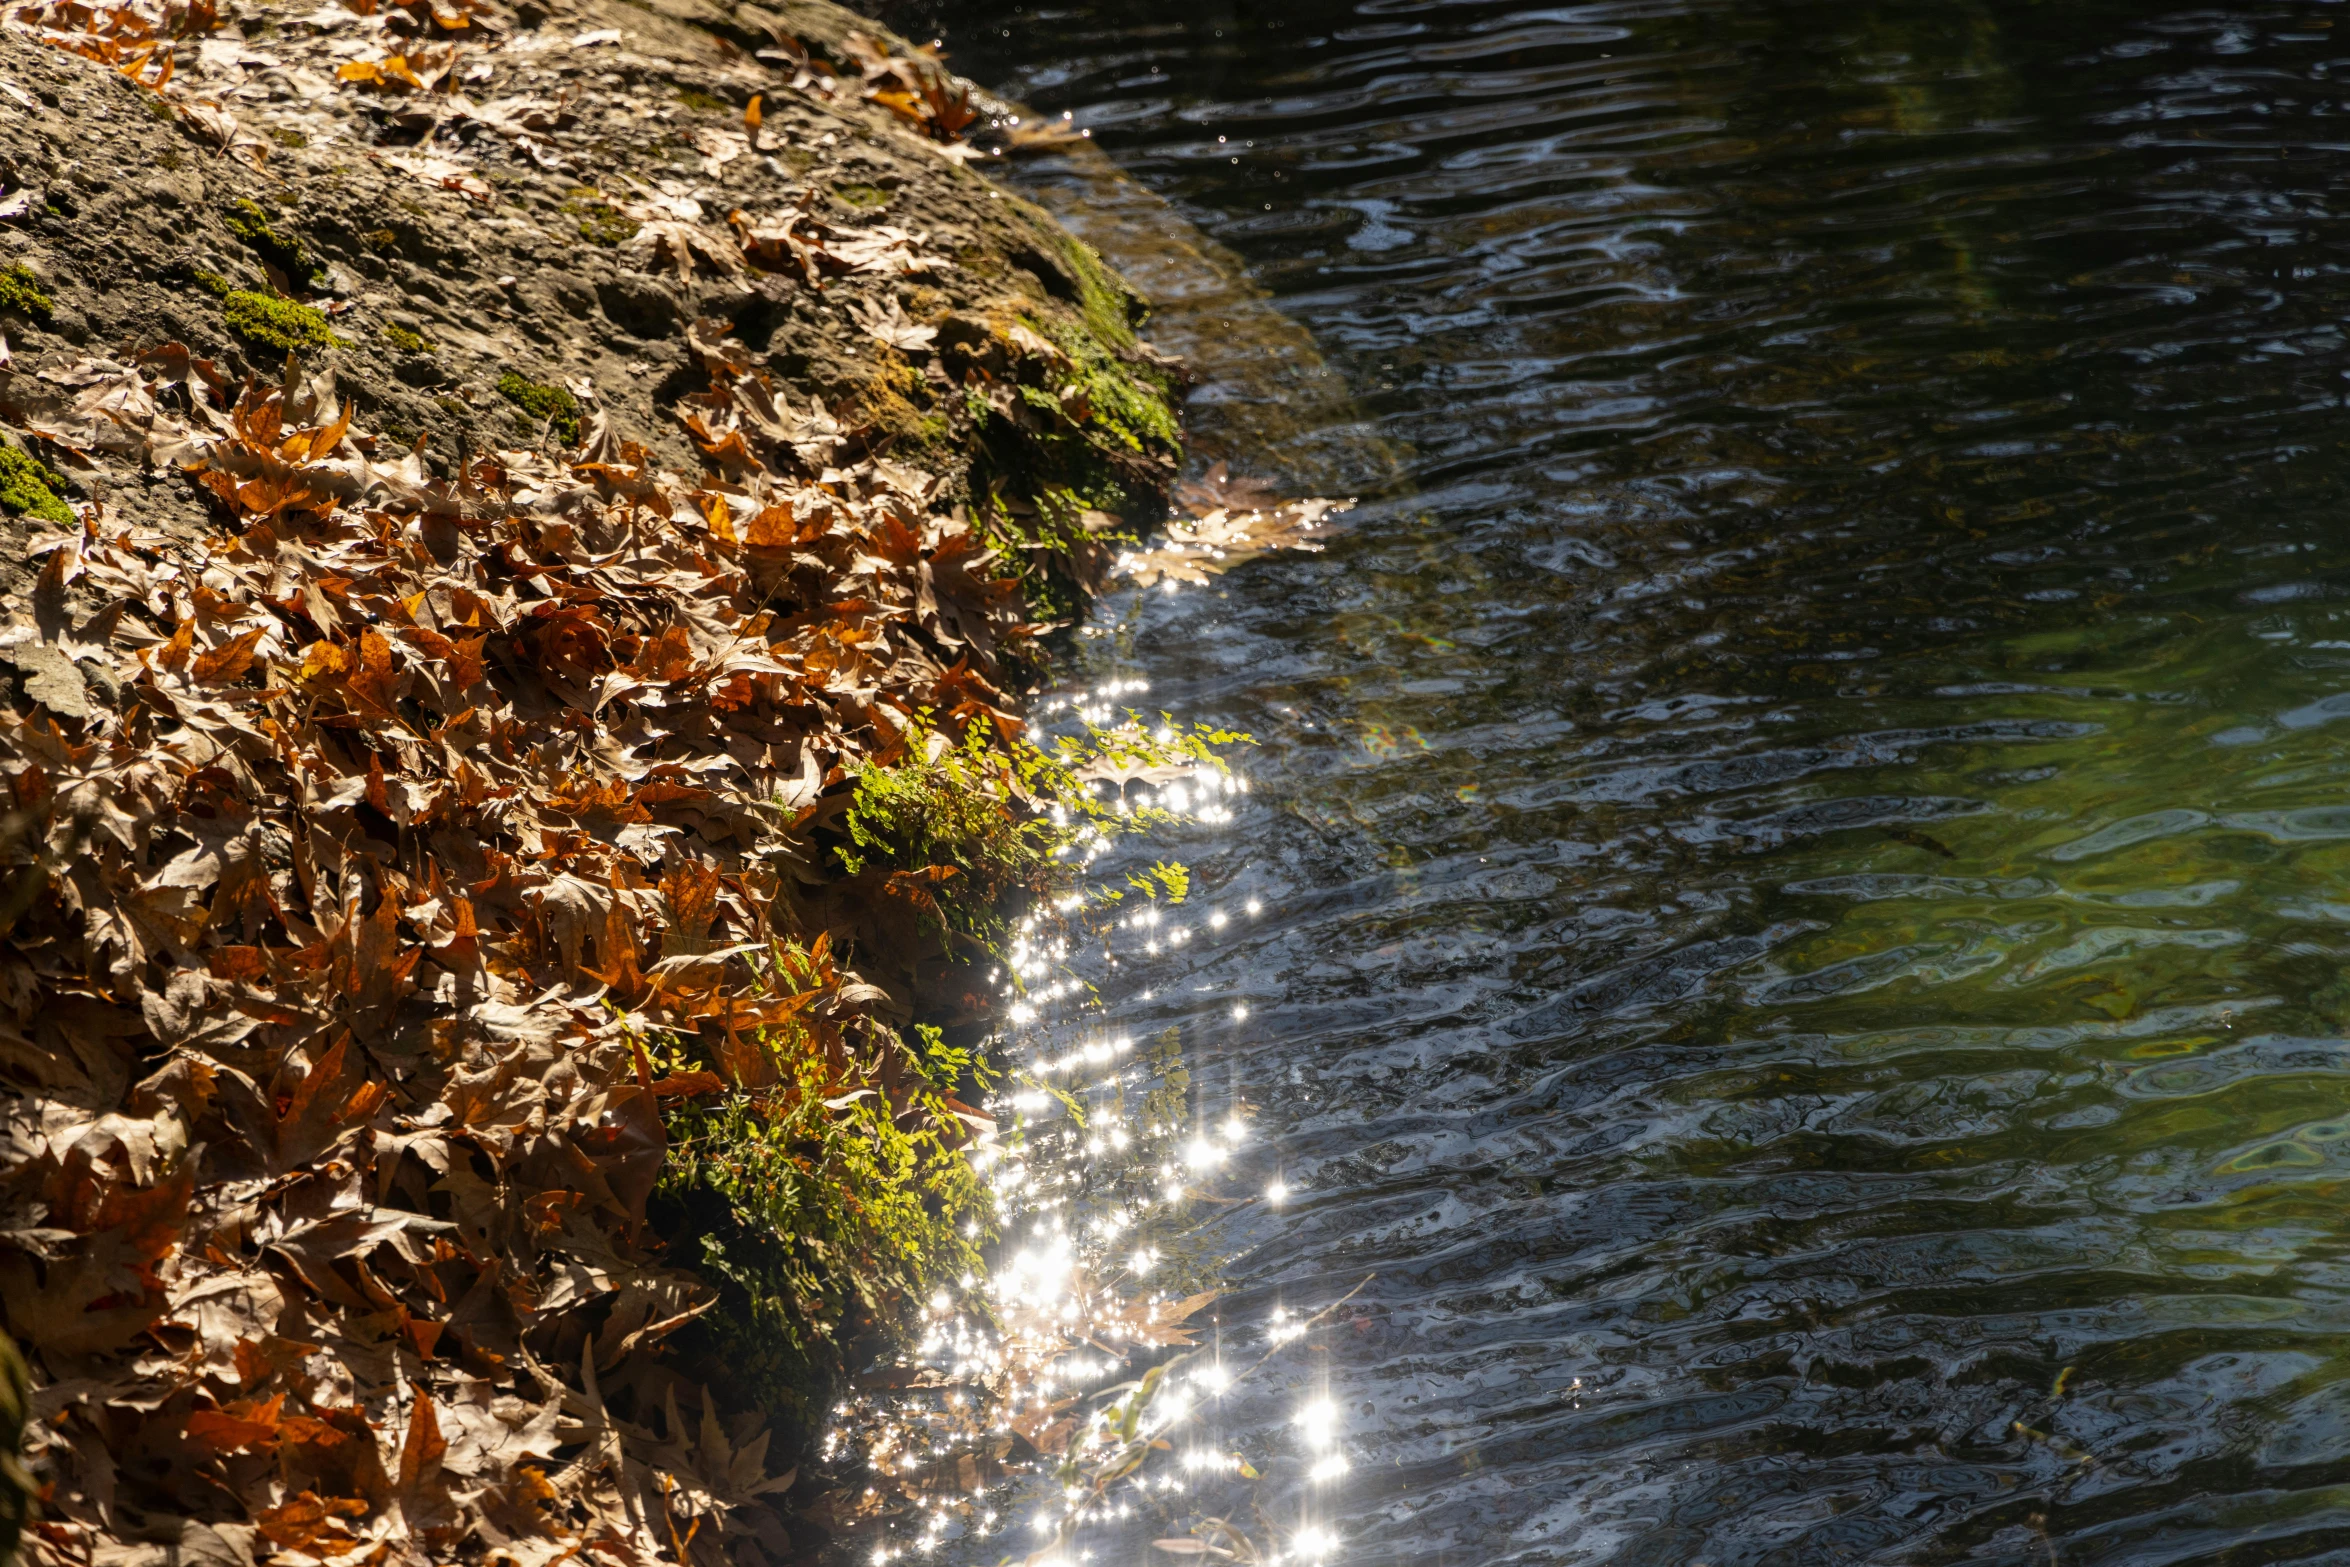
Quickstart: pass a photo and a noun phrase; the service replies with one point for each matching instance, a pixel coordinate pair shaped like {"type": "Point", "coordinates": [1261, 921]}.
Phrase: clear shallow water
{"type": "Point", "coordinates": [1803, 836]}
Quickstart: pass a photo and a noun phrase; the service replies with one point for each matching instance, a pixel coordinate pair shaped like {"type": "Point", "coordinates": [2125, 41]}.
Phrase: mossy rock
{"type": "Point", "coordinates": [1127, 404]}
{"type": "Point", "coordinates": [600, 222]}
{"type": "Point", "coordinates": [1106, 426]}
{"type": "Point", "coordinates": [28, 488]}
{"type": "Point", "coordinates": [552, 405]}
{"type": "Point", "coordinates": [286, 252]}
{"type": "Point", "coordinates": [1092, 427]}
{"type": "Point", "coordinates": [1111, 309]}
{"type": "Point", "coordinates": [278, 324]}
{"type": "Point", "coordinates": [20, 293]}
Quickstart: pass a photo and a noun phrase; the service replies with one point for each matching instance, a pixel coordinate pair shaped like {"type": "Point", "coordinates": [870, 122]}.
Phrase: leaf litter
{"type": "Point", "coordinates": [358, 845]}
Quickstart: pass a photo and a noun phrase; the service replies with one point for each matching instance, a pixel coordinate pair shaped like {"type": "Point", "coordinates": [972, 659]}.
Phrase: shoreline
{"type": "Point", "coordinates": [508, 824]}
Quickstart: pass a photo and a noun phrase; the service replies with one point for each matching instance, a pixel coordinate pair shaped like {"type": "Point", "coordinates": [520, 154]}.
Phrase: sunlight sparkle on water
{"type": "Point", "coordinates": [1319, 1421]}
{"type": "Point", "coordinates": [1084, 1192]}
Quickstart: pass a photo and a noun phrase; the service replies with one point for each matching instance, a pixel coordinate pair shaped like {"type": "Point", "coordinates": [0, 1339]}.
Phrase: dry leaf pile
{"type": "Point", "coordinates": [352, 851]}
{"type": "Point", "coordinates": [915, 86]}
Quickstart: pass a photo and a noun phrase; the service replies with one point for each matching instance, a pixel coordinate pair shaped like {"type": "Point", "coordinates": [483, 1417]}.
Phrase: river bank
{"type": "Point", "coordinates": [528, 529]}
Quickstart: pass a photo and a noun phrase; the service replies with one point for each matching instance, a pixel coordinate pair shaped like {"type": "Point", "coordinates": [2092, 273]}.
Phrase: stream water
{"type": "Point", "coordinates": [1800, 829]}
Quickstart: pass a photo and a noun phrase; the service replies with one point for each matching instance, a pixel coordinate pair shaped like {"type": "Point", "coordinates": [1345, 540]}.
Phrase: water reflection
{"type": "Point", "coordinates": [1800, 838]}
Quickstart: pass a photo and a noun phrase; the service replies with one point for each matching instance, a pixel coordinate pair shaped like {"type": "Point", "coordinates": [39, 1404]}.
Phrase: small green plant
{"type": "Point", "coordinates": [286, 252]}
{"type": "Point", "coordinates": [286, 136]}
{"type": "Point", "coordinates": [1062, 511]}
{"type": "Point", "coordinates": [557, 407]}
{"type": "Point", "coordinates": [277, 324]}
{"type": "Point", "coordinates": [1051, 528]}
{"type": "Point", "coordinates": [702, 102]}
{"type": "Point", "coordinates": [20, 293]}
{"type": "Point", "coordinates": [28, 488]}
{"type": "Point", "coordinates": [863, 197]}
{"type": "Point", "coordinates": [999, 823]}
{"type": "Point", "coordinates": [824, 1200]}
{"type": "Point", "coordinates": [1163, 876]}
{"type": "Point", "coordinates": [967, 817]}
{"type": "Point", "coordinates": [212, 283]}
{"type": "Point", "coordinates": [405, 341]}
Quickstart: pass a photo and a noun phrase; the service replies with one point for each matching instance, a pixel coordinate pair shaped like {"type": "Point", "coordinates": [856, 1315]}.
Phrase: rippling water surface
{"type": "Point", "coordinates": [1801, 826]}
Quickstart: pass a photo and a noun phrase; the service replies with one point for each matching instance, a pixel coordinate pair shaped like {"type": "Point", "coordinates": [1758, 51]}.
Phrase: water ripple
{"type": "Point", "coordinates": [1800, 832]}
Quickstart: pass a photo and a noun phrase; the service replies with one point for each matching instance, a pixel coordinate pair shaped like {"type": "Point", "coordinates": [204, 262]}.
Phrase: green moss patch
{"type": "Point", "coordinates": [405, 341]}
{"type": "Point", "coordinates": [1132, 407]}
{"type": "Point", "coordinates": [557, 407]}
{"type": "Point", "coordinates": [286, 252]}
{"type": "Point", "coordinates": [600, 222]}
{"type": "Point", "coordinates": [21, 294]}
{"type": "Point", "coordinates": [278, 324]}
{"type": "Point", "coordinates": [1102, 299]}
{"type": "Point", "coordinates": [28, 488]}
{"type": "Point", "coordinates": [961, 810]}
